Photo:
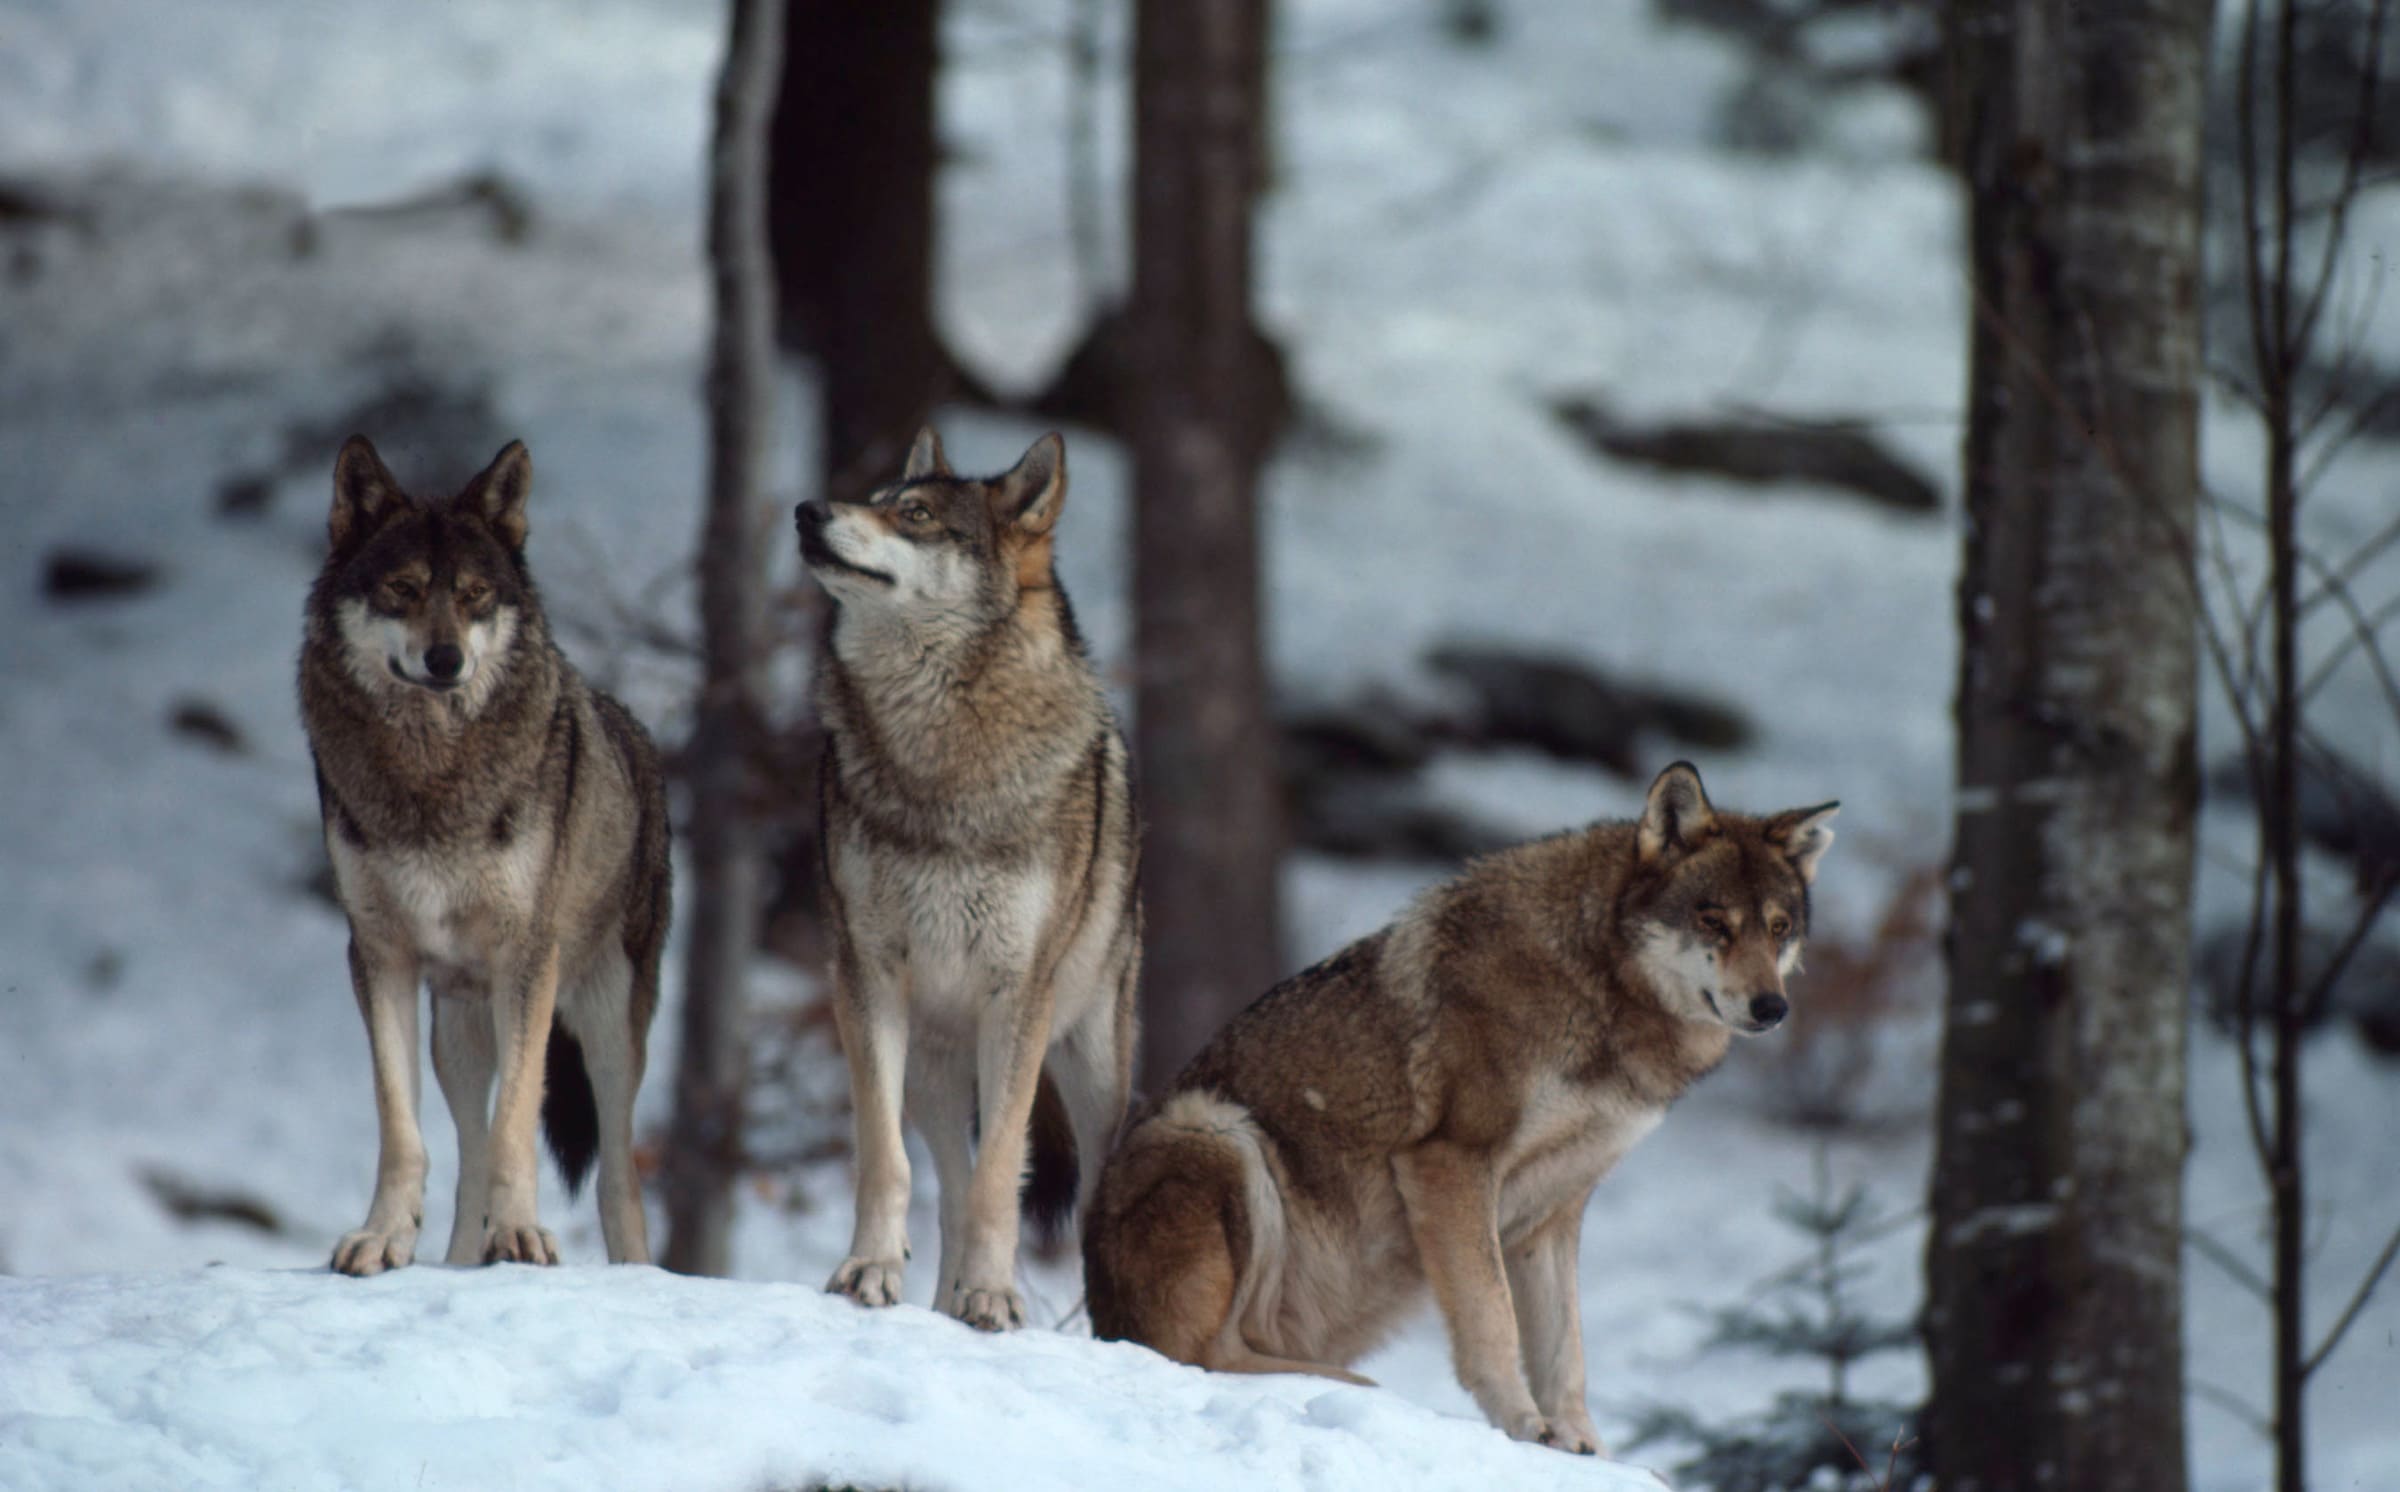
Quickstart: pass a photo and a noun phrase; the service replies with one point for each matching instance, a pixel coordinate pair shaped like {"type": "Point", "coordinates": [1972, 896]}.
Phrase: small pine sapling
{"type": "Point", "coordinates": [1807, 1440]}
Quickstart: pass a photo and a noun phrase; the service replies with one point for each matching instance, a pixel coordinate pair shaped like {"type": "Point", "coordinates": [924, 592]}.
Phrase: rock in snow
{"type": "Point", "coordinates": [595, 1378]}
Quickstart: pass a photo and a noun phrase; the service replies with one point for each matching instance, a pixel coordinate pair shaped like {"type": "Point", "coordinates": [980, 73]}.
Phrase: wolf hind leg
{"type": "Point", "coordinates": [463, 1062]}
{"type": "Point", "coordinates": [1093, 1083]}
{"type": "Point", "coordinates": [600, 1017]}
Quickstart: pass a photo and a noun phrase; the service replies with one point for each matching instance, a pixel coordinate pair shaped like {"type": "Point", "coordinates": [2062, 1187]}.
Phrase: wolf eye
{"type": "Point", "coordinates": [917, 513]}
{"type": "Point", "coordinates": [1713, 924]}
{"type": "Point", "coordinates": [474, 594]}
{"type": "Point", "coordinates": [401, 591]}
{"type": "Point", "coordinates": [1780, 926]}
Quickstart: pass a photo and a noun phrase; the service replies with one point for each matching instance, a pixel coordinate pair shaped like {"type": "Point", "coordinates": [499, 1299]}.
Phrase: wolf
{"type": "Point", "coordinates": [980, 870]}
{"type": "Point", "coordinates": [498, 832]}
{"type": "Point", "coordinates": [1433, 1105]}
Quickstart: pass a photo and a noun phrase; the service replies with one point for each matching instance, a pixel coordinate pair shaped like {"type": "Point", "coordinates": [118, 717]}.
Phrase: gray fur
{"type": "Point", "coordinates": [980, 860]}
{"type": "Point", "coordinates": [501, 839]}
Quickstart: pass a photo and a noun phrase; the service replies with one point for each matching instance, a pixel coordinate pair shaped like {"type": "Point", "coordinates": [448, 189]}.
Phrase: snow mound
{"type": "Point", "coordinates": [634, 1378]}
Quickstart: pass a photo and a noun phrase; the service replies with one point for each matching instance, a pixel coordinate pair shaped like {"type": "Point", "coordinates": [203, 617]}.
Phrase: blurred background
{"type": "Point", "coordinates": [1471, 407]}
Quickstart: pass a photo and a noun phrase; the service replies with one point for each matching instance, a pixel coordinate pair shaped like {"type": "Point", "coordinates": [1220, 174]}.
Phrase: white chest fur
{"type": "Point", "coordinates": [1568, 1137]}
{"type": "Point", "coordinates": [967, 930]}
{"type": "Point", "coordinates": [445, 900]}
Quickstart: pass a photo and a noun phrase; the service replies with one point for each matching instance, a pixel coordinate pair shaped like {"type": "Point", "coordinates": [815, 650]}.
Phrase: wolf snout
{"type": "Point", "coordinates": [811, 517]}
{"type": "Point", "coordinates": [1768, 1011]}
{"type": "Point", "coordinates": [443, 661]}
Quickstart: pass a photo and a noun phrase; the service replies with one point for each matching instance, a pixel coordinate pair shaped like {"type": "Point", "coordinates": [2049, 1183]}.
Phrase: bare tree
{"type": "Point", "coordinates": [1204, 745]}
{"type": "Point", "coordinates": [2054, 1319]}
{"type": "Point", "coordinates": [704, 1146]}
{"type": "Point", "coordinates": [852, 225]}
{"type": "Point", "coordinates": [2254, 637]}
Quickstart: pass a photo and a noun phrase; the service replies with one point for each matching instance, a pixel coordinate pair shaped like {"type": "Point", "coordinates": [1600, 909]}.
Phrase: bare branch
{"type": "Point", "coordinates": [2362, 144]}
{"type": "Point", "coordinates": [2226, 1259]}
{"type": "Point", "coordinates": [2358, 1302]}
{"type": "Point", "coordinates": [2362, 414]}
{"type": "Point", "coordinates": [2233, 1404]}
{"type": "Point", "coordinates": [2365, 553]}
{"type": "Point", "coordinates": [2359, 637]}
{"type": "Point", "coordinates": [2356, 939]}
{"type": "Point", "coordinates": [2363, 633]}
{"type": "Point", "coordinates": [2254, 269]}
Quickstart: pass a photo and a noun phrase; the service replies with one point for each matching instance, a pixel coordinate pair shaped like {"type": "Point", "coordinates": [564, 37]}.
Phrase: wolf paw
{"type": "Point", "coordinates": [870, 1282]}
{"type": "Point", "coordinates": [1558, 1434]}
{"type": "Point", "coordinates": [519, 1243]}
{"type": "Point", "coordinates": [374, 1250]}
{"type": "Point", "coordinates": [1580, 1440]}
{"type": "Point", "coordinates": [989, 1310]}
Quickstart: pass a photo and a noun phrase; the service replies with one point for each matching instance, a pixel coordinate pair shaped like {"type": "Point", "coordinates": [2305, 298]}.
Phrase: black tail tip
{"type": "Point", "coordinates": [570, 1114]}
{"type": "Point", "coordinates": [1052, 1178]}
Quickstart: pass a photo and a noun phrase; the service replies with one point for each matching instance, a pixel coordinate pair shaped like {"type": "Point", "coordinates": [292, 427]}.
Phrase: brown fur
{"type": "Point", "coordinates": [980, 860]}
{"type": "Point", "coordinates": [502, 839]}
{"type": "Point", "coordinates": [1431, 1107]}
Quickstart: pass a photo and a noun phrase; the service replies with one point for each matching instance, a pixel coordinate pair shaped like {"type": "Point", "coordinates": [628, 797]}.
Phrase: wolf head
{"type": "Point", "coordinates": [1717, 906]}
{"type": "Point", "coordinates": [426, 599]}
{"type": "Point", "coordinates": [936, 550]}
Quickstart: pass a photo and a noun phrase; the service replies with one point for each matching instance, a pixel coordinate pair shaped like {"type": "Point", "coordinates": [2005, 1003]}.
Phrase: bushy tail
{"type": "Point", "coordinates": [1051, 1177]}
{"type": "Point", "coordinates": [570, 1114]}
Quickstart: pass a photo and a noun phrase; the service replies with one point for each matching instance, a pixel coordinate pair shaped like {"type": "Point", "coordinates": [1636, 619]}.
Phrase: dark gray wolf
{"type": "Point", "coordinates": [498, 830]}
{"type": "Point", "coordinates": [980, 852]}
{"type": "Point", "coordinates": [1433, 1105]}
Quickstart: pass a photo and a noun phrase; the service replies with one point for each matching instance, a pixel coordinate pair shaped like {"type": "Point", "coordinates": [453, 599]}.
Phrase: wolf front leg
{"type": "Point", "coordinates": [523, 1006]}
{"type": "Point", "coordinates": [384, 977]}
{"type": "Point", "coordinates": [1011, 1037]}
{"type": "Point", "coordinates": [1541, 1281]}
{"type": "Point", "coordinates": [1452, 1197]}
{"type": "Point", "coordinates": [870, 1007]}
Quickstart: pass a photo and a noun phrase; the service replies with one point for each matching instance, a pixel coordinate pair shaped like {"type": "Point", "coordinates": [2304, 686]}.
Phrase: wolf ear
{"type": "Point", "coordinates": [364, 493]}
{"type": "Point", "coordinates": [1805, 835]}
{"type": "Point", "coordinates": [497, 495]}
{"type": "Point", "coordinates": [1677, 815]}
{"type": "Point", "coordinates": [925, 458]}
{"type": "Point", "coordinates": [1030, 493]}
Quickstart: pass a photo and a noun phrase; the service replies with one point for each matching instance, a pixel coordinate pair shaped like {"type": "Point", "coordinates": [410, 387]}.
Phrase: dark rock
{"type": "Point", "coordinates": [208, 725]}
{"type": "Point", "coordinates": [1751, 450]}
{"type": "Point", "coordinates": [90, 575]}
{"type": "Point", "coordinates": [1566, 708]}
{"type": "Point", "coordinates": [246, 494]}
{"type": "Point", "coordinates": [193, 1203]}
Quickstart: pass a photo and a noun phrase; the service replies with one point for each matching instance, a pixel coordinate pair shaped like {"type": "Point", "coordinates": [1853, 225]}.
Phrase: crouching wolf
{"type": "Point", "coordinates": [979, 842]}
{"type": "Point", "coordinates": [1433, 1105]}
{"type": "Point", "coordinates": [498, 831]}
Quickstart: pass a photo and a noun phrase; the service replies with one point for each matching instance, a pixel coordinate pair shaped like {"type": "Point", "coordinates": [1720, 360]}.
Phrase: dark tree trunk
{"type": "Point", "coordinates": [704, 1148]}
{"type": "Point", "coordinates": [851, 221]}
{"type": "Point", "coordinates": [1204, 746]}
{"type": "Point", "coordinates": [2054, 1312]}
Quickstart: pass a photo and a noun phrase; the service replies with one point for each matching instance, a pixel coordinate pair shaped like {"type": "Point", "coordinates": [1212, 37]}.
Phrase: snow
{"type": "Point", "coordinates": [600, 1378]}
{"type": "Point", "coordinates": [1453, 239]}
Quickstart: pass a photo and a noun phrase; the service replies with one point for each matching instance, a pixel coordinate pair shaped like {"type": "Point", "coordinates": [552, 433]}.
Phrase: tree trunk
{"type": "Point", "coordinates": [704, 1149]}
{"type": "Point", "coordinates": [852, 222]}
{"type": "Point", "coordinates": [2054, 1299]}
{"type": "Point", "coordinates": [1204, 746]}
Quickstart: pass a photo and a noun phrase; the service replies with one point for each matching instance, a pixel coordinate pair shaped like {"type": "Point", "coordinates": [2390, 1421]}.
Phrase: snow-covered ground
{"type": "Point", "coordinates": [574, 1378]}
{"type": "Point", "coordinates": [1455, 238]}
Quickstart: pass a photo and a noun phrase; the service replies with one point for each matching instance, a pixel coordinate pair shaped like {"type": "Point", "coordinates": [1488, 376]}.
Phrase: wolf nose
{"type": "Point", "coordinates": [443, 660]}
{"type": "Point", "coordinates": [811, 515]}
{"type": "Point", "coordinates": [1769, 1010]}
